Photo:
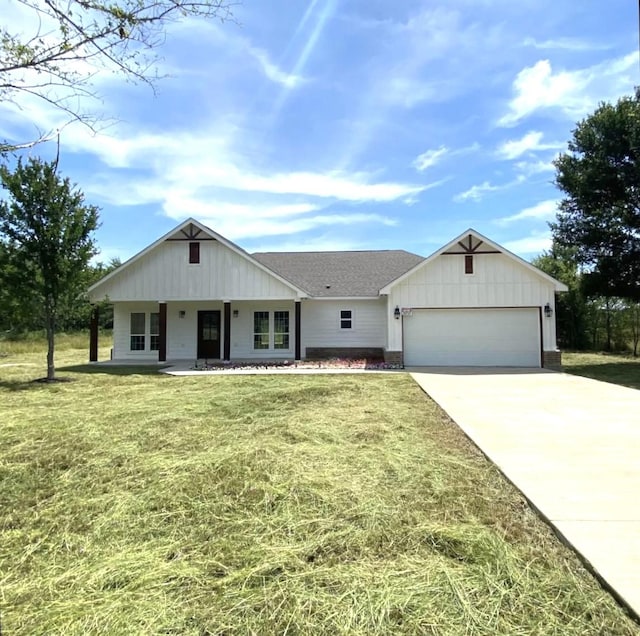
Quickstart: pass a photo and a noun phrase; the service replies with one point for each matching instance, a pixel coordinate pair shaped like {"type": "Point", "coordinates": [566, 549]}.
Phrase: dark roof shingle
{"type": "Point", "coordinates": [340, 274]}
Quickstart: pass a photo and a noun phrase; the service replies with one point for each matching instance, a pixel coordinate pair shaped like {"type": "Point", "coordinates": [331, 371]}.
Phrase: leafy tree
{"type": "Point", "coordinates": [633, 321]}
{"type": "Point", "coordinates": [73, 39]}
{"type": "Point", "coordinates": [600, 214]}
{"type": "Point", "coordinates": [571, 310]}
{"type": "Point", "coordinates": [46, 232]}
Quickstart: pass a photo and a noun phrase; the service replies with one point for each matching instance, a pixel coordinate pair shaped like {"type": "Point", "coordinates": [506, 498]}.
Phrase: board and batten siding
{"type": "Point", "coordinates": [497, 281]}
{"type": "Point", "coordinates": [182, 329]}
{"type": "Point", "coordinates": [321, 323]}
{"type": "Point", "coordinates": [242, 331]}
{"type": "Point", "coordinates": [165, 274]}
{"type": "Point", "coordinates": [122, 331]}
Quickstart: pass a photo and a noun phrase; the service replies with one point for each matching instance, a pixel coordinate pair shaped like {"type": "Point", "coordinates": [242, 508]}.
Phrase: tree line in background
{"type": "Point", "coordinates": [51, 51]}
{"type": "Point", "coordinates": [596, 235]}
{"type": "Point", "coordinates": [47, 244]}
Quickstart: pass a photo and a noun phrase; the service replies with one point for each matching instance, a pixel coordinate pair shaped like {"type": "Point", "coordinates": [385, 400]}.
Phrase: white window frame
{"type": "Point", "coordinates": [342, 320]}
{"type": "Point", "coordinates": [271, 333]}
{"type": "Point", "coordinates": [153, 334]}
{"type": "Point", "coordinates": [261, 333]}
{"type": "Point", "coordinates": [147, 334]}
{"type": "Point", "coordinates": [286, 334]}
{"type": "Point", "coordinates": [138, 334]}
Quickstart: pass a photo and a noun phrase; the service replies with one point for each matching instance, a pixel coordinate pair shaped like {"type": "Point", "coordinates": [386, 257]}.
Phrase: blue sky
{"type": "Point", "coordinates": [347, 124]}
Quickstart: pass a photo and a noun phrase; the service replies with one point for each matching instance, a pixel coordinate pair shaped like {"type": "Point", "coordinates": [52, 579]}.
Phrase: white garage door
{"type": "Point", "coordinates": [472, 337]}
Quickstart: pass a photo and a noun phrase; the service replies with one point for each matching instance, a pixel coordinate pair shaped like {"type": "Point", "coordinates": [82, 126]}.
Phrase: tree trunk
{"type": "Point", "coordinates": [51, 370]}
{"type": "Point", "coordinates": [608, 323]}
{"type": "Point", "coordinates": [635, 327]}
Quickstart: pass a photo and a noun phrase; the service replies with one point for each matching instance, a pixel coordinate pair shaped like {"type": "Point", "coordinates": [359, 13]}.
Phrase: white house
{"type": "Point", "coordinates": [195, 295]}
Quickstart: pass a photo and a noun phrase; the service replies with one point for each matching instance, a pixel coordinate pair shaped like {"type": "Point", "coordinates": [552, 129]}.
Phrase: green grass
{"type": "Point", "coordinates": [145, 504]}
{"type": "Point", "coordinates": [617, 369]}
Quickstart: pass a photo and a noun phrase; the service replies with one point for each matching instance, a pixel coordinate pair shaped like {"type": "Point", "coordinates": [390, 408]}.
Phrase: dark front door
{"type": "Point", "coordinates": [208, 334]}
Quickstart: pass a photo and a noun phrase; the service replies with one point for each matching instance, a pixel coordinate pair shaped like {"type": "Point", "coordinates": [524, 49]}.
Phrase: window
{"type": "Point", "coordinates": [194, 253]}
{"type": "Point", "coordinates": [345, 319]}
{"type": "Point", "coordinates": [261, 330]}
{"type": "Point", "coordinates": [154, 331]}
{"type": "Point", "coordinates": [280, 329]}
{"type": "Point", "coordinates": [137, 331]}
{"type": "Point", "coordinates": [468, 264]}
{"type": "Point", "coordinates": [271, 330]}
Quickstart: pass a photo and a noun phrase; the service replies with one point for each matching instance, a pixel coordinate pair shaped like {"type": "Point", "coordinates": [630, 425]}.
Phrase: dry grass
{"type": "Point", "coordinates": [608, 367]}
{"type": "Point", "coordinates": [144, 504]}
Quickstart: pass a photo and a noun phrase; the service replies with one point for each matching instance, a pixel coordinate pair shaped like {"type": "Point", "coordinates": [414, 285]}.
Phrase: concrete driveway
{"type": "Point", "coordinates": [570, 444]}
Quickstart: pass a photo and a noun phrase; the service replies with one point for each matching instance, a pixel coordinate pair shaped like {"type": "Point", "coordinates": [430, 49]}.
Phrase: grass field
{"type": "Point", "coordinates": [617, 369]}
{"type": "Point", "coordinates": [143, 504]}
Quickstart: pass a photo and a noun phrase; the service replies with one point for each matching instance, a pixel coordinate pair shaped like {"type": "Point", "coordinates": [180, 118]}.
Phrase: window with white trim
{"type": "Point", "coordinates": [271, 330]}
{"type": "Point", "coordinates": [260, 329]}
{"type": "Point", "coordinates": [154, 331]}
{"type": "Point", "coordinates": [137, 342]}
{"type": "Point", "coordinates": [280, 329]}
{"type": "Point", "coordinates": [346, 319]}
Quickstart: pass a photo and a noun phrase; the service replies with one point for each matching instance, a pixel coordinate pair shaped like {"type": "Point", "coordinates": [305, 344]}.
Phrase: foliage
{"type": "Point", "coordinates": [267, 505]}
{"type": "Point", "coordinates": [600, 215]}
{"type": "Point", "coordinates": [584, 319]}
{"type": "Point", "coordinates": [46, 231]}
{"type": "Point", "coordinates": [71, 40]}
{"type": "Point", "coordinates": [571, 310]}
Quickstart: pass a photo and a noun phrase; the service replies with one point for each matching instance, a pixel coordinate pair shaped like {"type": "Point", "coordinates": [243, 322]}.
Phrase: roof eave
{"type": "Point", "coordinates": [558, 286]}
{"type": "Point", "coordinates": [221, 239]}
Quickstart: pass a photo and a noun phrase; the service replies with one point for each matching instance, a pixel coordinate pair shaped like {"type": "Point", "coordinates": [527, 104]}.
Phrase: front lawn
{"type": "Point", "coordinates": [146, 504]}
{"type": "Point", "coordinates": [608, 367]}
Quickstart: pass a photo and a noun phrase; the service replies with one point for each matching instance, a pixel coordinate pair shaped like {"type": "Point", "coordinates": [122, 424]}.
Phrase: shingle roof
{"type": "Point", "coordinates": [340, 274]}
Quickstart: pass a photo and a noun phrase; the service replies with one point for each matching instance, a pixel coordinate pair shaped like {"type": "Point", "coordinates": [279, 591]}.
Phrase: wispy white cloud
{"type": "Point", "coordinates": [529, 143]}
{"type": "Point", "coordinates": [208, 160]}
{"type": "Point", "coordinates": [574, 93]}
{"type": "Point", "coordinates": [429, 158]}
{"type": "Point", "coordinates": [545, 210]}
{"type": "Point", "coordinates": [232, 44]}
{"type": "Point", "coordinates": [478, 192]}
{"type": "Point", "coordinates": [530, 168]}
{"type": "Point", "coordinates": [567, 44]}
{"type": "Point", "coordinates": [273, 71]}
{"type": "Point", "coordinates": [243, 221]}
{"type": "Point", "coordinates": [531, 245]}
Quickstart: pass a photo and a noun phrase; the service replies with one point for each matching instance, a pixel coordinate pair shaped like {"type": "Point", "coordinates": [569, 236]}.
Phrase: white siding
{"type": "Point", "coordinates": [497, 281]}
{"type": "Point", "coordinates": [121, 332]}
{"type": "Point", "coordinates": [165, 274]}
{"type": "Point", "coordinates": [321, 323]}
{"type": "Point", "coordinates": [182, 336]}
{"type": "Point", "coordinates": [182, 333]}
{"type": "Point", "coordinates": [242, 331]}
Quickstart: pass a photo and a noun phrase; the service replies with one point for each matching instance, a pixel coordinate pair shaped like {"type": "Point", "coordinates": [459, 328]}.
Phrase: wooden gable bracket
{"type": "Point", "coordinates": [470, 248]}
{"type": "Point", "coordinates": [192, 233]}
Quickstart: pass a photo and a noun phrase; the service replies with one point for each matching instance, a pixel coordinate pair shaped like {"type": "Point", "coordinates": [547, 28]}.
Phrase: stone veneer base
{"type": "Point", "coordinates": [552, 360]}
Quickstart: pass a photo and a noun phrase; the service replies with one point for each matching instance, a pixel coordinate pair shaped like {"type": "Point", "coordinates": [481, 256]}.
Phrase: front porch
{"type": "Point", "coordinates": [147, 332]}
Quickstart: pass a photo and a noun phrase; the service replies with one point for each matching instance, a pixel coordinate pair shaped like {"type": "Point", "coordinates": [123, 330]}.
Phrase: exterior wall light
{"type": "Point", "coordinates": [235, 313]}
{"type": "Point", "coordinates": [182, 313]}
{"type": "Point", "coordinates": [396, 313]}
{"type": "Point", "coordinates": [548, 312]}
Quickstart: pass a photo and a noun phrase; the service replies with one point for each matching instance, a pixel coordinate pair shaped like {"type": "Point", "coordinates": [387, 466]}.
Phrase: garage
{"type": "Point", "coordinates": [487, 337]}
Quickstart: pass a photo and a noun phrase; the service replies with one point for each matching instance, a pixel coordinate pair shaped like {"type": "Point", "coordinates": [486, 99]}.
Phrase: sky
{"type": "Point", "coordinates": [345, 124]}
